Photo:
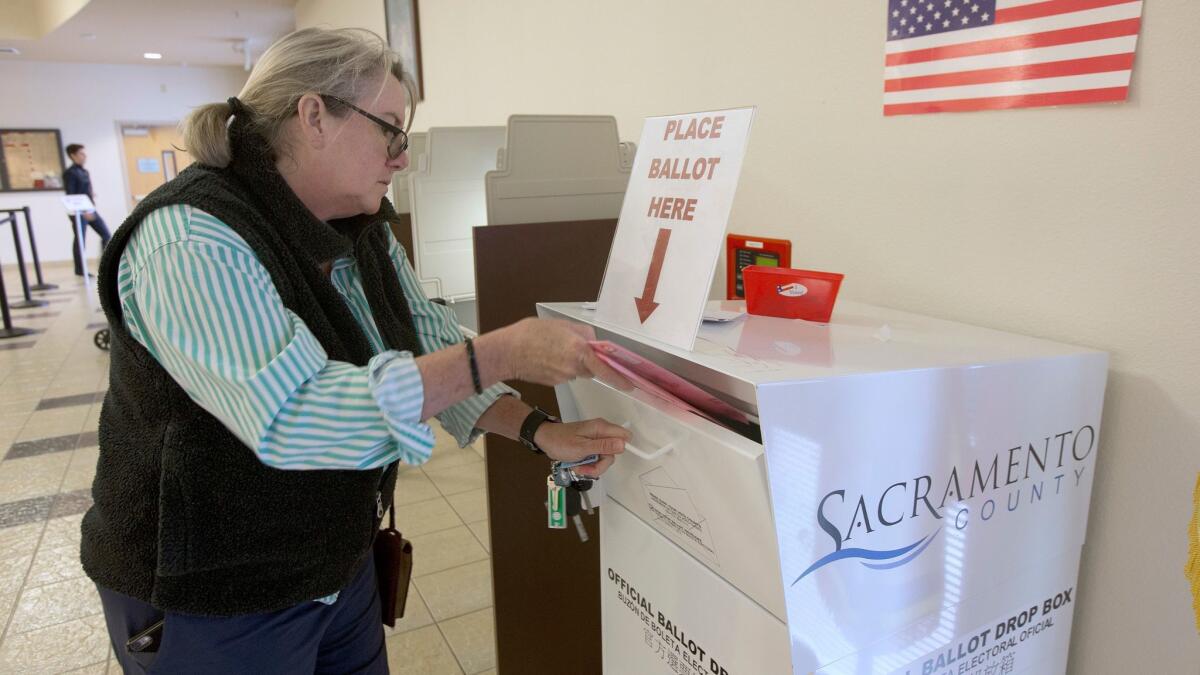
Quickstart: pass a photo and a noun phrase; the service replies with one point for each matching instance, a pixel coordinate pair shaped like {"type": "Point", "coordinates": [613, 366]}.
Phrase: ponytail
{"type": "Point", "coordinates": [206, 135]}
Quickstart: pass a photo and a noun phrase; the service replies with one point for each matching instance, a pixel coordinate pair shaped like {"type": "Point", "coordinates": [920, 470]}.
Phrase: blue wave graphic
{"type": "Point", "coordinates": [907, 559]}
{"type": "Point", "coordinates": [869, 555]}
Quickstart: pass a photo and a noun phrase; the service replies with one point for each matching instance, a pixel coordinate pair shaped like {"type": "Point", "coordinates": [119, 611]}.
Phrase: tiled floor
{"type": "Point", "coordinates": [51, 387]}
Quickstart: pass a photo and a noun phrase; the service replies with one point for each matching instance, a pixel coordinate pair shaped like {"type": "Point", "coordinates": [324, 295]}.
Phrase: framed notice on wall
{"type": "Point", "coordinates": [30, 160]}
{"type": "Point", "coordinates": [404, 37]}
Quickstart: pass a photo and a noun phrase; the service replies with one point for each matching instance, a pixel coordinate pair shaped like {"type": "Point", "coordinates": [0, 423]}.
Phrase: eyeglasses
{"type": "Point", "coordinates": [398, 142]}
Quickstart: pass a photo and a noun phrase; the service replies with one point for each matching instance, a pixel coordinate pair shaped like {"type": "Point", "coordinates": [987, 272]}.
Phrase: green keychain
{"type": "Point", "coordinates": [556, 506]}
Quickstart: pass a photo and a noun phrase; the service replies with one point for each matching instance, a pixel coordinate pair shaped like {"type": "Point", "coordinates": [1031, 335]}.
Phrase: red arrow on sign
{"type": "Point", "coordinates": [646, 304]}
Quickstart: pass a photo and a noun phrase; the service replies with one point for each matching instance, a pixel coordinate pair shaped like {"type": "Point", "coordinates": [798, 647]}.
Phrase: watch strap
{"type": "Point", "coordinates": [529, 427]}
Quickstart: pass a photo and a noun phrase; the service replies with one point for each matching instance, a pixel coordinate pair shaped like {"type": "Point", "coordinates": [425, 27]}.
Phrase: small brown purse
{"type": "Point", "coordinates": [393, 569]}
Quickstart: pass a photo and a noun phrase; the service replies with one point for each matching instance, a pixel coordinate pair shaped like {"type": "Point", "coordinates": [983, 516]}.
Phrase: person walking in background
{"type": "Point", "coordinates": [79, 182]}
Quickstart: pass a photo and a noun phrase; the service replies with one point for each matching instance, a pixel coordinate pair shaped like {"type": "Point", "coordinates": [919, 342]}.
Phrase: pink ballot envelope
{"type": "Point", "coordinates": [654, 379]}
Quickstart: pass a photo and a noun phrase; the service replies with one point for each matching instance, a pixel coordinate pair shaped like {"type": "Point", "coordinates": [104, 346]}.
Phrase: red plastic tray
{"type": "Point", "coordinates": [790, 293]}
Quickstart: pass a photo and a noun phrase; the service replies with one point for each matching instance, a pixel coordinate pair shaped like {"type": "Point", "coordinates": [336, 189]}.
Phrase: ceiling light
{"type": "Point", "coordinates": [87, 36]}
{"type": "Point", "coordinates": [10, 50]}
{"type": "Point", "coordinates": [152, 55]}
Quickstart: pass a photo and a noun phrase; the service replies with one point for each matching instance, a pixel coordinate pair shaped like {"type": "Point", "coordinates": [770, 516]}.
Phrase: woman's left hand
{"type": "Point", "coordinates": [571, 441]}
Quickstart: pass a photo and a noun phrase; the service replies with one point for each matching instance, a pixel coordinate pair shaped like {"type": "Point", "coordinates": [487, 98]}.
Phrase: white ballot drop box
{"type": "Point", "coordinates": [911, 498]}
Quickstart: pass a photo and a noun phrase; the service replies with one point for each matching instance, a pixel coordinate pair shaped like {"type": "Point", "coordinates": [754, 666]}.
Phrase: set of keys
{"type": "Point", "coordinates": [567, 495]}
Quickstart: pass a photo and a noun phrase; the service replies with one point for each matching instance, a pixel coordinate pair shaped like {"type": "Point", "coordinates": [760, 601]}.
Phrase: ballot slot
{"type": "Point", "coordinates": [700, 484]}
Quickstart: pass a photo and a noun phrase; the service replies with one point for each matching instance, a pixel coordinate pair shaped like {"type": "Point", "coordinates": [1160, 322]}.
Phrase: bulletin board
{"type": "Point", "coordinates": [31, 160]}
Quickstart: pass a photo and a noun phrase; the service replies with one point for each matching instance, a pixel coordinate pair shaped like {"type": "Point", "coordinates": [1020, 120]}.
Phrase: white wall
{"type": "Point", "coordinates": [1076, 224]}
{"type": "Point", "coordinates": [86, 102]}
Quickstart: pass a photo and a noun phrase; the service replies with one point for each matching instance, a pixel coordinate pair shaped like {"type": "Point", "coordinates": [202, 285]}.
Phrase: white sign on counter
{"type": "Point", "coordinates": [78, 204]}
{"type": "Point", "coordinates": [672, 223]}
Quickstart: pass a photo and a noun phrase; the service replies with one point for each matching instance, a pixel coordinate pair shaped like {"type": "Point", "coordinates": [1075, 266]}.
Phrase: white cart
{"type": "Point", "coordinates": [917, 504]}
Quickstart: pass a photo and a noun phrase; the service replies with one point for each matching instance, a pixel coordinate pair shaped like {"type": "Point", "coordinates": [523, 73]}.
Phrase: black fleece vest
{"type": "Point", "coordinates": [186, 517]}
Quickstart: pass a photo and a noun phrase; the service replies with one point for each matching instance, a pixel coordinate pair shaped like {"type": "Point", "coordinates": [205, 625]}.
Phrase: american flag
{"type": "Point", "coordinates": [962, 55]}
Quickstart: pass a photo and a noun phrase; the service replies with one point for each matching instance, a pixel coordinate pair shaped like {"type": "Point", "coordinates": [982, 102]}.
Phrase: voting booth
{"type": "Point", "coordinates": [446, 194]}
{"type": "Point", "coordinates": [536, 169]}
{"type": "Point", "coordinates": [558, 168]}
{"type": "Point", "coordinates": [917, 503]}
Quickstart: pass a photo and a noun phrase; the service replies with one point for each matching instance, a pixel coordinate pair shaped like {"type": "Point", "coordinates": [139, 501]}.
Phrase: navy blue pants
{"type": "Point", "coordinates": [101, 229]}
{"type": "Point", "coordinates": [311, 637]}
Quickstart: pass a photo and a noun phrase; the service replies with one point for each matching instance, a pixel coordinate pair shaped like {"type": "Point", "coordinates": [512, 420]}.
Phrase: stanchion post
{"type": "Point", "coordinates": [41, 284]}
{"type": "Point", "coordinates": [28, 301]}
{"type": "Point", "coordinates": [7, 330]}
{"type": "Point", "coordinates": [82, 251]}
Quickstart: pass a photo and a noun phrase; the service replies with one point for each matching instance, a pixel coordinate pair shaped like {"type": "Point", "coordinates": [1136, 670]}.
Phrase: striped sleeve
{"type": "Point", "coordinates": [437, 329]}
{"type": "Point", "coordinates": [197, 297]}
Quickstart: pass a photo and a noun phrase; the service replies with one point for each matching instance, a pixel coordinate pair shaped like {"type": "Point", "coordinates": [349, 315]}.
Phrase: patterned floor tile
{"type": "Point", "coordinates": [20, 540]}
{"type": "Point", "coordinates": [25, 511]}
{"type": "Point", "coordinates": [13, 346]}
{"type": "Point", "coordinates": [54, 604]}
{"type": "Point", "coordinates": [470, 506]}
{"type": "Point", "coordinates": [425, 517]}
{"type": "Point", "coordinates": [421, 652]}
{"type": "Point", "coordinates": [473, 639]}
{"type": "Point", "coordinates": [416, 614]}
{"type": "Point", "coordinates": [13, 572]}
{"type": "Point", "coordinates": [62, 531]}
{"type": "Point", "coordinates": [42, 446]}
{"type": "Point", "coordinates": [81, 470]}
{"type": "Point", "coordinates": [443, 550]}
{"type": "Point", "coordinates": [56, 649]}
{"type": "Point", "coordinates": [32, 476]}
{"type": "Point", "coordinates": [414, 486]}
{"type": "Point", "coordinates": [52, 565]}
{"type": "Point", "coordinates": [8, 600]}
{"type": "Point", "coordinates": [457, 591]}
{"type": "Point", "coordinates": [71, 503]}
{"type": "Point", "coordinates": [89, 438]}
{"type": "Point", "coordinates": [445, 458]}
{"type": "Point", "coordinates": [483, 533]}
{"type": "Point", "coordinates": [68, 401]}
{"type": "Point", "coordinates": [100, 668]}
{"type": "Point", "coordinates": [450, 481]}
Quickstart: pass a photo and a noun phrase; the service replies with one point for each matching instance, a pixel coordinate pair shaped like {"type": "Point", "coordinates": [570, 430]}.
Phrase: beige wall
{"type": "Point", "coordinates": [341, 14]}
{"type": "Point", "coordinates": [1076, 224]}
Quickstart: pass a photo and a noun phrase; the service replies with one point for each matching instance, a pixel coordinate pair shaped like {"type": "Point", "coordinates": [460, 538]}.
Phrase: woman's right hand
{"type": "Point", "coordinates": [552, 351]}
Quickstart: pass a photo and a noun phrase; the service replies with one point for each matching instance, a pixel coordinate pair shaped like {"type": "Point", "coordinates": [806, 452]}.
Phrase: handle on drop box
{"type": "Point", "coordinates": [649, 456]}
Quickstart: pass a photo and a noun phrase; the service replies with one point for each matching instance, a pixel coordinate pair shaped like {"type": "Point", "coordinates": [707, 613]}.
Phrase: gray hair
{"type": "Point", "coordinates": [341, 63]}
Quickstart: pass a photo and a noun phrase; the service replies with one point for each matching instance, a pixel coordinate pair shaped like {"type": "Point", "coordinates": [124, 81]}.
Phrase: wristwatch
{"type": "Point", "coordinates": [530, 426]}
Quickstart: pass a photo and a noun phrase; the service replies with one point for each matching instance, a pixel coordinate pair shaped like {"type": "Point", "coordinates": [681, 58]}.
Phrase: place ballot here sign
{"type": "Point", "coordinates": [672, 224]}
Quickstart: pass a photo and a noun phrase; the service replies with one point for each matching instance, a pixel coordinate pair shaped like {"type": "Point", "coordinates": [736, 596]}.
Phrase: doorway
{"type": "Point", "coordinates": [153, 156]}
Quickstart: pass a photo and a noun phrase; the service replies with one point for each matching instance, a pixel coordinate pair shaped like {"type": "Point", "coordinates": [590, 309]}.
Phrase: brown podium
{"type": "Point", "coordinates": [546, 582]}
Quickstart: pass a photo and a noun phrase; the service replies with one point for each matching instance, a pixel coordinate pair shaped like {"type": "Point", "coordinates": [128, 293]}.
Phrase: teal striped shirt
{"type": "Point", "coordinates": [195, 295]}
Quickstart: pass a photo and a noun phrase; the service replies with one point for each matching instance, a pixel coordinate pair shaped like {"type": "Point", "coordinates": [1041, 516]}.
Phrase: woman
{"type": "Point", "coordinates": [272, 359]}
